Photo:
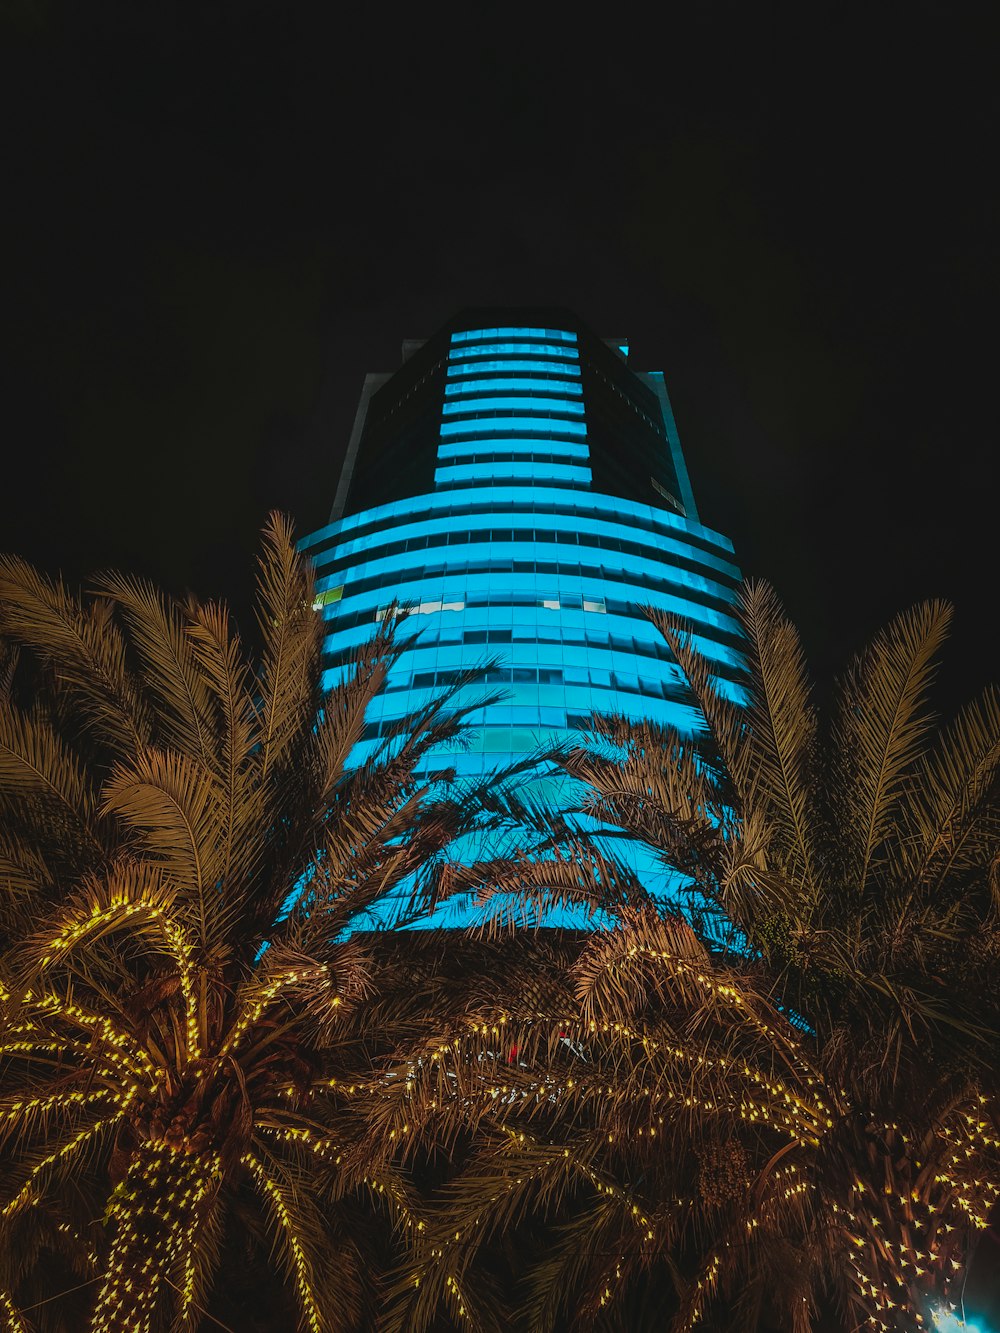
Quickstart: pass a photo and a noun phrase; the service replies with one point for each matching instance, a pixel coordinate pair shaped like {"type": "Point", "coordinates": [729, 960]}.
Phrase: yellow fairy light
{"type": "Point", "coordinates": [15, 1323]}
{"type": "Point", "coordinates": [27, 1192]}
{"type": "Point", "coordinates": [302, 1279]}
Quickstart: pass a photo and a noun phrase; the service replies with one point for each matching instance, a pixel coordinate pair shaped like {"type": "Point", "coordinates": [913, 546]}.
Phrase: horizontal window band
{"type": "Point", "coordinates": [540, 445]}
{"type": "Point", "coordinates": [549, 635]}
{"type": "Point", "coordinates": [539, 506]}
{"type": "Point", "coordinates": [489, 474]}
{"type": "Point", "coordinates": [541, 464]}
{"type": "Point", "coordinates": [523, 542]}
{"type": "Point", "coordinates": [450, 531]}
{"type": "Point", "coordinates": [579, 656]}
{"type": "Point", "coordinates": [514, 349]}
{"type": "Point", "coordinates": [471, 387]}
{"type": "Point", "coordinates": [494, 640]}
{"type": "Point", "coordinates": [598, 679]}
{"type": "Point", "coordinates": [559, 371]}
{"type": "Point", "coordinates": [512, 737]}
{"type": "Point", "coordinates": [513, 425]}
{"type": "Point", "coordinates": [537, 448]}
{"type": "Point", "coordinates": [528, 469]}
{"type": "Point", "coordinates": [694, 602]}
{"type": "Point", "coordinates": [623, 682]}
{"type": "Point", "coordinates": [513, 403]}
{"type": "Point", "coordinates": [480, 335]}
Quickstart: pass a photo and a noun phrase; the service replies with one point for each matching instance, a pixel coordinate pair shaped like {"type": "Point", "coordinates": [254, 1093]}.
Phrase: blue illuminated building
{"type": "Point", "coordinates": [523, 492]}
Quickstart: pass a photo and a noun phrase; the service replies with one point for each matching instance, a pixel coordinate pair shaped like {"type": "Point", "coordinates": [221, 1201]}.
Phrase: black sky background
{"type": "Point", "coordinates": [216, 220]}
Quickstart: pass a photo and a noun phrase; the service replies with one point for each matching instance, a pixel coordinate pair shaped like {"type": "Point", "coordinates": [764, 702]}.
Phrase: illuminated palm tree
{"type": "Point", "coordinates": [184, 1027]}
{"type": "Point", "coordinates": [661, 1128]}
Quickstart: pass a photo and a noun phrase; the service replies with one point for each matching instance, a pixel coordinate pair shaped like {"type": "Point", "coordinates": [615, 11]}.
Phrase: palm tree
{"type": "Point", "coordinates": [186, 1024]}
{"type": "Point", "coordinates": [781, 1106]}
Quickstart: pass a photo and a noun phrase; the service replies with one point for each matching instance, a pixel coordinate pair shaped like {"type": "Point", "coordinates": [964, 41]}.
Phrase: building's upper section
{"type": "Point", "coordinates": [513, 397]}
{"type": "Point", "coordinates": [519, 494]}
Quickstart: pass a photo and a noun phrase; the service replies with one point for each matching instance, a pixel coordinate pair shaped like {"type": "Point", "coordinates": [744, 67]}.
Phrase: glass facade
{"type": "Point", "coordinates": [514, 554]}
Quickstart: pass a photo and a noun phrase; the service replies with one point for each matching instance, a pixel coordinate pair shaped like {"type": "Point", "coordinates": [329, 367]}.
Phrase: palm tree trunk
{"type": "Point", "coordinates": [156, 1211]}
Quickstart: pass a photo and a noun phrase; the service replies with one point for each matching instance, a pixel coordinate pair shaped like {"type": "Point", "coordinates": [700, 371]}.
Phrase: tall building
{"type": "Point", "coordinates": [522, 491]}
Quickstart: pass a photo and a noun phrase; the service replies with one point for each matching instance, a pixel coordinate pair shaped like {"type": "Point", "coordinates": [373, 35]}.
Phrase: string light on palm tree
{"type": "Point", "coordinates": [190, 1034]}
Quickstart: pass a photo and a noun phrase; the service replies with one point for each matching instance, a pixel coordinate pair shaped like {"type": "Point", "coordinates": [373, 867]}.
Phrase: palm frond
{"type": "Point", "coordinates": [880, 731]}
{"type": "Point", "coordinates": [159, 638]}
{"type": "Point", "coordinates": [36, 764]}
{"type": "Point", "coordinates": [781, 732]}
{"type": "Point", "coordinates": [723, 717]}
{"type": "Point", "coordinates": [83, 645]}
{"type": "Point", "coordinates": [227, 677]}
{"type": "Point", "coordinates": [292, 633]}
{"type": "Point", "coordinates": [299, 1237]}
{"type": "Point", "coordinates": [175, 809]}
{"type": "Point", "coordinates": [953, 806]}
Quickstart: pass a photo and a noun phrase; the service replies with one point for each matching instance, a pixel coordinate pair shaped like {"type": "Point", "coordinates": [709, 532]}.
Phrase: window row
{"type": "Point", "coordinates": [539, 406]}
{"type": "Point", "coordinates": [645, 550]}
{"type": "Point", "coordinates": [584, 512]}
{"type": "Point", "coordinates": [478, 335]}
{"type": "Point", "coordinates": [535, 447]}
{"type": "Point", "coordinates": [544, 368]}
{"type": "Point", "coordinates": [520, 469]}
{"type": "Point", "coordinates": [546, 427]}
{"type": "Point", "coordinates": [675, 586]}
{"type": "Point", "coordinates": [657, 423]}
{"type": "Point", "coordinates": [501, 739]}
{"type": "Point", "coordinates": [425, 680]}
{"type": "Point", "coordinates": [470, 388]}
{"type": "Point", "coordinates": [571, 477]}
{"type": "Point", "coordinates": [565, 602]}
{"type": "Point", "coordinates": [623, 682]}
{"type": "Point", "coordinates": [569, 649]}
{"type": "Point", "coordinates": [573, 646]}
{"type": "Point", "coordinates": [492, 634]}
{"type": "Point", "coordinates": [530, 626]}
{"type": "Point", "coordinates": [575, 479]}
{"type": "Point", "coordinates": [548, 350]}
{"type": "Point", "coordinates": [460, 453]}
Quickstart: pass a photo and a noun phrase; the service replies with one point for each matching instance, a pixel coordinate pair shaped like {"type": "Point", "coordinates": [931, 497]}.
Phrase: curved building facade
{"type": "Point", "coordinates": [522, 492]}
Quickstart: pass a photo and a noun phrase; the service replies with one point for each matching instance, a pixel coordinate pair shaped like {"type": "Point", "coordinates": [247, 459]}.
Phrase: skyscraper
{"type": "Point", "coordinates": [522, 491]}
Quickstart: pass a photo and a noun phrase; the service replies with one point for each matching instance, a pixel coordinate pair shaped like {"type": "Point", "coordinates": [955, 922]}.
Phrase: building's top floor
{"type": "Point", "coordinates": [514, 356]}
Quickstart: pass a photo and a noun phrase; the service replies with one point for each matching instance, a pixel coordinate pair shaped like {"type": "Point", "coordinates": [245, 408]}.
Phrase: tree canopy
{"type": "Point", "coordinates": [771, 1104]}
{"type": "Point", "coordinates": [778, 1102]}
{"type": "Point", "coordinates": [186, 1016]}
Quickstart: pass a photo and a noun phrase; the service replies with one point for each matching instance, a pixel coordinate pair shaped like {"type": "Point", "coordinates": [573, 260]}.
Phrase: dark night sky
{"type": "Point", "coordinates": [214, 225]}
